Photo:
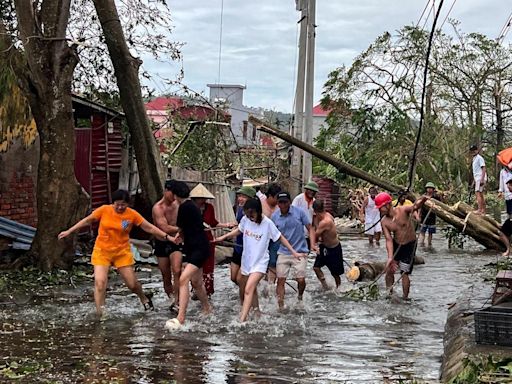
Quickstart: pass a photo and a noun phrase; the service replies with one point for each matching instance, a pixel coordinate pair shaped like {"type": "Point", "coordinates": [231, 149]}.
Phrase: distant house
{"type": "Point", "coordinates": [231, 97]}
{"type": "Point", "coordinates": [162, 109]}
{"type": "Point", "coordinates": [319, 116]}
{"type": "Point", "coordinates": [101, 162]}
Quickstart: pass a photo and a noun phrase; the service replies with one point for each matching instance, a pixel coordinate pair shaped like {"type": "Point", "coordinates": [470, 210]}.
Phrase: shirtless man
{"type": "Point", "coordinates": [329, 252]}
{"type": "Point", "coordinates": [169, 255]}
{"type": "Point", "coordinates": [402, 246]}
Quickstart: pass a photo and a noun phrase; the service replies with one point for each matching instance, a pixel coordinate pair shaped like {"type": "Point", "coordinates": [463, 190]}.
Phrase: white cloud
{"type": "Point", "coordinates": [259, 39]}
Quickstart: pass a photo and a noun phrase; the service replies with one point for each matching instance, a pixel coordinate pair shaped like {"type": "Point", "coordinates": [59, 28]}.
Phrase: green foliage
{"type": "Point", "coordinates": [368, 292]}
{"type": "Point", "coordinates": [375, 107]}
{"type": "Point", "coordinates": [485, 370]}
{"type": "Point", "coordinates": [33, 280]}
{"type": "Point", "coordinates": [455, 238]}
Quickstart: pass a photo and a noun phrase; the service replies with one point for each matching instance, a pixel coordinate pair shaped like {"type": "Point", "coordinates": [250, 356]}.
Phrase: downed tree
{"type": "Point", "coordinates": [483, 229]}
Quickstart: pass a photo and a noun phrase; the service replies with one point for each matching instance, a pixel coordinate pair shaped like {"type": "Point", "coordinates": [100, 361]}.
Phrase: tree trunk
{"type": "Point", "coordinates": [44, 69]}
{"type": "Point", "coordinates": [126, 68]}
{"type": "Point", "coordinates": [472, 225]}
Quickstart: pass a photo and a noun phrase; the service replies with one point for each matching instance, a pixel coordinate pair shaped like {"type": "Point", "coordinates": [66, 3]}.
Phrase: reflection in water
{"type": "Point", "coordinates": [329, 339]}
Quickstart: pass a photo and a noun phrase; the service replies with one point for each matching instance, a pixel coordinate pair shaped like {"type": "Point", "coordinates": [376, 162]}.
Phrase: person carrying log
{"type": "Point", "coordinates": [401, 246]}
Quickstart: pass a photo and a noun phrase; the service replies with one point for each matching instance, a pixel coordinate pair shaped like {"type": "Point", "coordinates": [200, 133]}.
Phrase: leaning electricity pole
{"type": "Point", "coordinates": [307, 130]}
{"type": "Point", "coordinates": [296, 165]}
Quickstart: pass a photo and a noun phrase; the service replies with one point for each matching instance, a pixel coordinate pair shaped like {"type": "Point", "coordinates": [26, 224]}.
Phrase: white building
{"type": "Point", "coordinates": [232, 97]}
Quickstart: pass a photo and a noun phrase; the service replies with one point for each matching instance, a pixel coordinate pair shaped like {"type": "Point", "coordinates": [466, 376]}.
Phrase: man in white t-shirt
{"type": "Point", "coordinates": [479, 178]}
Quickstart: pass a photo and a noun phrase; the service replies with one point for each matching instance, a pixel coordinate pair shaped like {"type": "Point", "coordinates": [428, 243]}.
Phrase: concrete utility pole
{"type": "Point", "coordinates": [295, 170]}
{"type": "Point", "coordinates": [307, 131]}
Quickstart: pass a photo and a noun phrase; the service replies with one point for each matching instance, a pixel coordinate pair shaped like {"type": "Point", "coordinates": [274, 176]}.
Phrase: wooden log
{"type": "Point", "coordinates": [466, 208]}
{"type": "Point", "coordinates": [472, 227]}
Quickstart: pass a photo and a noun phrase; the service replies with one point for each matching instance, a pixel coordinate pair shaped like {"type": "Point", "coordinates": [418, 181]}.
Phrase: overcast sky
{"type": "Point", "coordinates": [259, 39]}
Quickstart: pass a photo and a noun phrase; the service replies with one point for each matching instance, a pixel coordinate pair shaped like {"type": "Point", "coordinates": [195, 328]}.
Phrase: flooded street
{"type": "Point", "coordinates": [328, 339]}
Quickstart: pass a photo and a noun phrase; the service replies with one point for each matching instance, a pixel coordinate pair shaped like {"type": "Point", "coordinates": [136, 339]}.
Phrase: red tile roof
{"type": "Point", "coordinates": [319, 111]}
{"type": "Point", "coordinates": [163, 103]}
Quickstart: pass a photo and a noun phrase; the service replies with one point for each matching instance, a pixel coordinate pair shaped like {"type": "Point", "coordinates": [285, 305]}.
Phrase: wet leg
{"type": "Point", "coordinates": [130, 279]}
{"type": "Point", "coordinates": [251, 285]}
{"type": "Point", "coordinates": [390, 280]}
{"type": "Point", "coordinates": [406, 285]}
{"type": "Point", "coordinates": [164, 264]}
{"type": "Point", "coordinates": [321, 277]}
{"type": "Point", "coordinates": [176, 263]}
{"type": "Point", "coordinates": [301, 286]}
{"type": "Point", "coordinates": [200, 290]}
{"type": "Point", "coordinates": [280, 291]}
{"type": "Point", "coordinates": [370, 239]}
{"type": "Point", "coordinates": [234, 270]}
{"type": "Point", "coordinates": [429, 240]}
{"type": "Point", "coordinates": [186, 276]}
{"type": "Point", "coordinates": [337, 280]}
{"type": "Point", "coordinates": [422, 238]}
{"type": "Point", "coordinates": [100, 287]}
{"type": "Point", "coordinates": [241, 280]}
{"type": "Point", "coordinates": [377, 238]}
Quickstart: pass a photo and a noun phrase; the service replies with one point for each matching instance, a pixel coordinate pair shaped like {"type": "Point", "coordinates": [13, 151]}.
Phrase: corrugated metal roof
{"type": "Point", "coordinates": [21, 234]}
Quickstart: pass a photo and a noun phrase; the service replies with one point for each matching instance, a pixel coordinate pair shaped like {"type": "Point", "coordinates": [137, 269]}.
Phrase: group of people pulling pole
{"type": "Point", "coordinates": [273, 236]}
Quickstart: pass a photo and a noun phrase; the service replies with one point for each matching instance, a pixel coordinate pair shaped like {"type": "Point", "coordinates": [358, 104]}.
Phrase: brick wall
{"type": "Point", "coordinates": [18, 168]}
{"type": "Point", "coordinates": [18, 201]}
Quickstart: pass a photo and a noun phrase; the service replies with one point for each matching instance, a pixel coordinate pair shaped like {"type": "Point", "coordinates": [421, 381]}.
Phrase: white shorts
{"type": "Point", "coordinates": [370, 229]}
{"type": "Point", "coordinates": [478, 187]}
{"type": "Point", "coordinates": [287, 263]}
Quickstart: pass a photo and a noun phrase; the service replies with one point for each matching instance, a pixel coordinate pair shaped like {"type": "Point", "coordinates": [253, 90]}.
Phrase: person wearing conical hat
{"type": "Point", "coordinates": [427, 217]}
{"type": "Point", "coordinates": [199, 195]}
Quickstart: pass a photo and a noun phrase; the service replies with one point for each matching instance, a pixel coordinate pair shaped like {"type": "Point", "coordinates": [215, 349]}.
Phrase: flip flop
{"type": "Point", "coordinates": [173, 324]}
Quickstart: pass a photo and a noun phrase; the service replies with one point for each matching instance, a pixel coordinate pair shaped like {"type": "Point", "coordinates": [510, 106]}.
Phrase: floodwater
{"type": "Point", "coordinates": [54, 338]}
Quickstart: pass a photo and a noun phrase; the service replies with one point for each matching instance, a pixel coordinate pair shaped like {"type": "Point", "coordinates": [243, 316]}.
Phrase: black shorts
{"type": "Point", "coordinates": [237, 257]}
{"type": "Point", "coordinates": [196, 256]}
{"type": "Point", "coordinates": [506, 228]}
{"type": "Point", "coordinates": [165, 248]}
{"type": "Point", "coordinates": [332, 258]}
{"type": "Point", "coordinates": [404, 255]}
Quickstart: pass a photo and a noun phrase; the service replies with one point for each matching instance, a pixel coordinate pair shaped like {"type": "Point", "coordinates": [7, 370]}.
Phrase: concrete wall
{"type": "Point", "coordinates": [18, 180]}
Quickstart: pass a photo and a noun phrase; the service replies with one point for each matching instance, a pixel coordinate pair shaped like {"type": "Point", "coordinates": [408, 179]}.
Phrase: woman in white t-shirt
{"type": "Point", "coordinates": [257, 231]}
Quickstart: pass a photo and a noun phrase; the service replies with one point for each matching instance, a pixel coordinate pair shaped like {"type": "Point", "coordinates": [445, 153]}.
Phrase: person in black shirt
{"type": "Point", "coordinates": [195, 247]}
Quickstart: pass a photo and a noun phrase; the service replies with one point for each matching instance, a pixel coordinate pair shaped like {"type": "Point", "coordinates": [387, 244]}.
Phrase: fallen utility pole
{"type": "Point", "coordinates": [483, 229]}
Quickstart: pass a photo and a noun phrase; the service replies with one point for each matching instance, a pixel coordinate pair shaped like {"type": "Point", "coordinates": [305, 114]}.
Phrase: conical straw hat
{"type": "Point", "coordinates": [353, 274]}
{"type": "Point", "coordinates": [200, 191]}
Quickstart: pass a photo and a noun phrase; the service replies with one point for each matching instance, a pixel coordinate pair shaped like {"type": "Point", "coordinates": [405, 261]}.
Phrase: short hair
{"type": "Point", "coordinates": [179, 188]}
{"type": "Point", "coordinates": [167, 185]}
{"type": "Point", "coordinates": [254, 204]}
{"type": "Point", "coordinates": [509, 182]}
{"type": "Point", "coordinates": [121, 195]}
{"type": "Point", "coordinates": [318, 206]}
{"type": "Point", "coordinates": [273, 189]}
{"type": "Point", "coordinates": [372, 189]}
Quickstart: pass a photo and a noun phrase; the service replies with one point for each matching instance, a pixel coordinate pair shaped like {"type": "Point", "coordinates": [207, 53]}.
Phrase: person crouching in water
{"type": "Point", "coordinates": [257, 231]}
{"type": "Point", "coordinates": [112, 246]}
{"type": "Point", "coordinates": [401, 247]}
{"type": "Point", "coordinates": [329, 251]}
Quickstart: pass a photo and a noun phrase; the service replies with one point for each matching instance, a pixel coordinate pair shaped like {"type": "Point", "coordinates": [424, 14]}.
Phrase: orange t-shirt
{"type": "Point", "coordinates": [114, 228]}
